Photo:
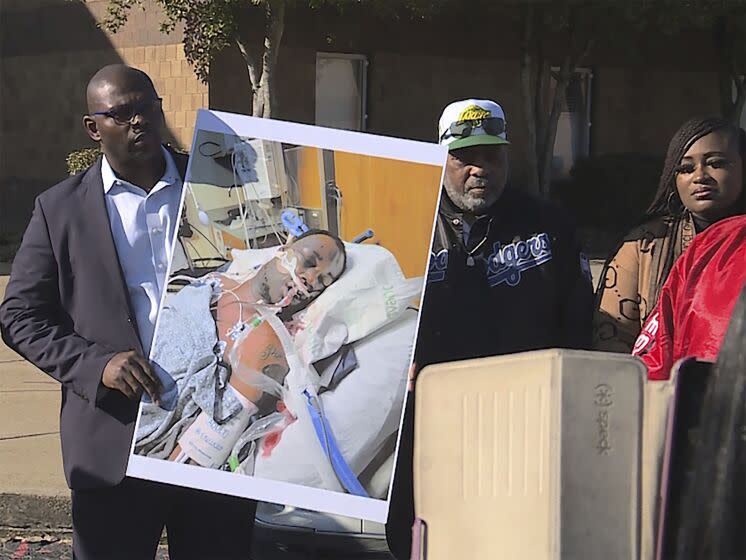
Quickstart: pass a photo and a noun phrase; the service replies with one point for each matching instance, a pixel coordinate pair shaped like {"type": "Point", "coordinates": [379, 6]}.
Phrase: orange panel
{"type": "Point", "coordinates": [308, 178]}
{"type": "Point", "coordinates": [396, 199]}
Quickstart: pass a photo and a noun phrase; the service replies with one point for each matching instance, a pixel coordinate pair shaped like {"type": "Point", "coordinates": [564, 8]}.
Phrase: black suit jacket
{"type": "Point", "coordinates": [67, 311]}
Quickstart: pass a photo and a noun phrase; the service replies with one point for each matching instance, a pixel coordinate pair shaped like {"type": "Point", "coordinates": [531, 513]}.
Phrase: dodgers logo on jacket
{"type": "Point", "coordinates": [508, 262]}
{"type": "Point", "coordinates": [436, 270]}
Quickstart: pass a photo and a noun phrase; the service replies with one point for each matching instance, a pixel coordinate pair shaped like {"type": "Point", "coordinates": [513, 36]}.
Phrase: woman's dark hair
{"type": "Point", "coordinates": [691, 131]}
{"type": "Point", "coordinates": [668, 195]}
{"type": "Point", "coordinates": [666, 201]}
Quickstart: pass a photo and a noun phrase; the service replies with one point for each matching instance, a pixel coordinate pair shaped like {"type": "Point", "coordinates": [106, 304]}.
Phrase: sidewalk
{"type": "Point", "coordinates": [33, 492]}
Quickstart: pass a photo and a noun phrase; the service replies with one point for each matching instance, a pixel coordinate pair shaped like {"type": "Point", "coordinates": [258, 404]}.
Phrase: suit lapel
{"type": "Point", "coordinates": [180, 160]}
{"type": "Point", "coordinates": [102, 248]}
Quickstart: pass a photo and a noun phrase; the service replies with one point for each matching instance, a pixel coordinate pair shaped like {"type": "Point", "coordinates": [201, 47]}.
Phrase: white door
{"type": "Point", "coordinates": [340, 90]}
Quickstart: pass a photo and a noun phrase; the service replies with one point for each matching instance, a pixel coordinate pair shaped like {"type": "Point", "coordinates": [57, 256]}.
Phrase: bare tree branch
{"type": "Point", "coordinates": [550, 133]}
{"type": "Point", "coordinates": [272, 39]}
{"type": "Point", "coordinates": [261, 74]}
{"type": "Point", "coordinates": [250, 60]}
{"type": "Point", "coordinates": [252, 65]}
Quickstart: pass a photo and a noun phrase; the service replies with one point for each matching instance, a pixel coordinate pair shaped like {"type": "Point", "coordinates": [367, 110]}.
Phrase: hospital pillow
{"type": "Point", "coordinates": [370, 294]}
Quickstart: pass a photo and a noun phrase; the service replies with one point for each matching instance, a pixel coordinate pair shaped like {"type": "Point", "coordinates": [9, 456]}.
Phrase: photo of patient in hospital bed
{"type": "Point", "coordinates": [288, 327]}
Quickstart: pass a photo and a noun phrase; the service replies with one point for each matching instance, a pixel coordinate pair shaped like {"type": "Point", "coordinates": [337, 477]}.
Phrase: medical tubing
{"type": "Point", "coordinates": [289, 265]}
{"type": "Point", "coordinates": [258, 429]}
{"type": "Point", "coordinates": [263, 426]}
{"type": "Point", "coordinates": [256, 379]}
{"type": "Point", "coordinates": [294, 398]}
{"type": "Point", "coordinates": [326, 438]}
{"type": "Point", "coordinates": [216, 285]}
{"type": "Point", "coordinates": [323, 432]}
{"type": "Point", "coordinates": [241, 209]}
{"type": "Point", "coordinates": [215, 282]}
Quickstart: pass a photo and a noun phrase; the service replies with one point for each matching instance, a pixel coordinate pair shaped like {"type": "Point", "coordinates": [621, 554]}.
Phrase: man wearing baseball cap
{"type": "Point", "coordinates": [506, 273]}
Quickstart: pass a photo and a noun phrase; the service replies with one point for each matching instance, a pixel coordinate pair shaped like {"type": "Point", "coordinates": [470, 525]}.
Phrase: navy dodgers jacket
{"type": "Point", "coordinates": [525, 286]}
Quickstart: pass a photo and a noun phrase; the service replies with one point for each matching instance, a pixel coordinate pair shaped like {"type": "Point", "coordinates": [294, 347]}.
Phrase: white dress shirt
{"type": "Point", "coordinates": [143, 225]}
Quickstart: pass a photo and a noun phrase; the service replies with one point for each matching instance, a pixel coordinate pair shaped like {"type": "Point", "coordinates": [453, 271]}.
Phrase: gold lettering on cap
{"type": "Point", "coordinates": [474, 113]}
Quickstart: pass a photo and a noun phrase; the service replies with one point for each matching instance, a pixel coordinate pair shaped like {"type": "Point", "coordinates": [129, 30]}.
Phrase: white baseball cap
{"type": "Point", "coordinates": [472, 122]}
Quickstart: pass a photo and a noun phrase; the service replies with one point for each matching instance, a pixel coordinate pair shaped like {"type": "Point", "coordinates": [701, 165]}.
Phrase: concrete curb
{"type": "Point", "coordinates": [45, 514]}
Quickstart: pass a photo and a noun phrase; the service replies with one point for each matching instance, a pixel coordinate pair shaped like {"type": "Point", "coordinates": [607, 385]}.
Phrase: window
{"type": "Point", "coordinates": [573, 129]}
{"type": "Point", "coordinates": [340, 90]}
{"type": "Point", "coordinates": [742, 119]}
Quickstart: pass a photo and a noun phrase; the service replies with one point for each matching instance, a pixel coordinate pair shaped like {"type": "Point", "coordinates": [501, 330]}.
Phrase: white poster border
{"type": "Point", "coordinates": [262, 489]}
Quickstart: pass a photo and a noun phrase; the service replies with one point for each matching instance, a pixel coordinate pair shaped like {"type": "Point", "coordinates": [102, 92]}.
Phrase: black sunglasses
{"type": "Point", "coordinates": [124, 114]}
{"type": "Point", "coordinates": [493, 126]}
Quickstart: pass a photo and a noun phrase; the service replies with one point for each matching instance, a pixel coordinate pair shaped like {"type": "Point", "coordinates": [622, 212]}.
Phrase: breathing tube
{"type": "Point", "coordinates": [329, 444]}
{"type": "Point", "coordinates": [339, 465]}
{"type": "Point", "coordinates": [289, 261]}
{"type": "Point", "coordinates": [334, 470]}
{"type": "Point", "coordinates": [323, 431]}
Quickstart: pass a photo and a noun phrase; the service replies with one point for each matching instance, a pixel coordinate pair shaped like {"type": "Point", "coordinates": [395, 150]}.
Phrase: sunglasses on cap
{"type": "Point", "coordinates": [493, 126]}
{"type": "Point", "coordinates": [124, 114]}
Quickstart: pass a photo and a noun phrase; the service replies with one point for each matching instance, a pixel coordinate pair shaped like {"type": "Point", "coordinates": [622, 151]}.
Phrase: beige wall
{"type": "Point", "coordinates": [175, 82]}
{"type": "Point", "coordinates": [42, 89]}
{"type": "Point", "coordinates": [141, 44]}
{"type": "Point", "coordinates": [640, 95]}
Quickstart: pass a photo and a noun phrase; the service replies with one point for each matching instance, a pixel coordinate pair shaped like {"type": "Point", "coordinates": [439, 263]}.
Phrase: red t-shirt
{"type": "Point", "coordinates": [695, 303]}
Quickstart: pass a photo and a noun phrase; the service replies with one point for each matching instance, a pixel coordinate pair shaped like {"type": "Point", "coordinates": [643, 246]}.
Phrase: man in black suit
{"type": "Point", "coordinates": [81, 305]}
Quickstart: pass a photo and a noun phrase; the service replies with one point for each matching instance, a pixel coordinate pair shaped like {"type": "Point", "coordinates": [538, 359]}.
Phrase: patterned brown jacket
{"type": "Point", "coordinates": [632, 279]}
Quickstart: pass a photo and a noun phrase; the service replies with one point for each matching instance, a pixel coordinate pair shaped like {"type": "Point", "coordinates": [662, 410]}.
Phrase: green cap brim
{"type": "Point", "coordinates": [481, 140]}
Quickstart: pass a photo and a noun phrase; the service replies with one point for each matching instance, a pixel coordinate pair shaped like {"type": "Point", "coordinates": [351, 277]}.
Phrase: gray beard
{"type": "Point", "coordinates": [468, 203]}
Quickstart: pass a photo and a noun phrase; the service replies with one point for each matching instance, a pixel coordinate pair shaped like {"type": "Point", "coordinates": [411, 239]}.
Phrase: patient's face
{"type": "Point", "coordinates": [319, 263]}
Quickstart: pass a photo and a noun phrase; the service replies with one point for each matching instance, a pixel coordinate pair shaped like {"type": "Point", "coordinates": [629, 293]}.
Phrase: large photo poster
{"type": "Point", "coordinates": [289, 321]}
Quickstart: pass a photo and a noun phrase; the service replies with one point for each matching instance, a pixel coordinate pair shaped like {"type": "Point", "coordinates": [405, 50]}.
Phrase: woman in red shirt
{"type": "Point", "coordinates": [697, 300]}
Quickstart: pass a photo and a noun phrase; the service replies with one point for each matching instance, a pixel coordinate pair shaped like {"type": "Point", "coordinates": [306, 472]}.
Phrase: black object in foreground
{"type": "Point", "coordinates": [712, 518]}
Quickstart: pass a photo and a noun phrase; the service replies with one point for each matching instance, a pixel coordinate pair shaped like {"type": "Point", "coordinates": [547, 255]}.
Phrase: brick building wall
{"type": "Point", "coordinates": [175, 82]}
{"type": "Point", "coordinates": [49, 49]}
{"type": "Point", "coordinates": [640, 95]}
{"type": "Point", "coordinates": [141, 44]}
